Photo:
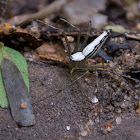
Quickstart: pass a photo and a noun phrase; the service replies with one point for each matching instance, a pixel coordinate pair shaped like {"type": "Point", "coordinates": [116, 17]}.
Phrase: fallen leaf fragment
{"type": "Point", "coordinates": [17, 93]}
{"type": "Point", "coordinates": [17, 38]}
{"type": "Point", "coordinates": [52, 52]}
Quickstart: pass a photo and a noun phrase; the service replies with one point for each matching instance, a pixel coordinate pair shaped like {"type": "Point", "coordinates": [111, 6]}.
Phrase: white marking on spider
{"type": "Point", "coordinates": [79, 56]}
{"type": "Point", "coordinates": [92, 48]}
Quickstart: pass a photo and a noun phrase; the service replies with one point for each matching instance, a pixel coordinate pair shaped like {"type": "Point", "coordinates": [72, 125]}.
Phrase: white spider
{"type": "Point", "coordinates": [91, 49]}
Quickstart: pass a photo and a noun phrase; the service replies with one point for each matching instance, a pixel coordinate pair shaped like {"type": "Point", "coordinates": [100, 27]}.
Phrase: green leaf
{"type": "Point", "coordinates": [20, 62]}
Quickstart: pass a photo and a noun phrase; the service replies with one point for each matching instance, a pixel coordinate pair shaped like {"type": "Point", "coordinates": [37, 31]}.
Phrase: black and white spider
{"type": "Point", "coordinates": [80, 54]}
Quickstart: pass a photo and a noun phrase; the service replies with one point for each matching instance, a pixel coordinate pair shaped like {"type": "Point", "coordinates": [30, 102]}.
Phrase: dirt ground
{"type": "Point", "coordinates": [70, 115]}
{"type": "Point", "coordinates": [99, 105]}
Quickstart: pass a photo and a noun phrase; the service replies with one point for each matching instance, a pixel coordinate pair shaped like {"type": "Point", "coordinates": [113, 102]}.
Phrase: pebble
{"type": "Point", "coordinates": [89, 123]}
{"type": "Point", "coordinates": [70, 38]}
{"type": "Point", "coordinates": [105, 131]}
{"type": "Point", "coordinates": [97, 120]}
{"type": "Point", "coordinates": [35, 135]}
{"type": "Point", "coordinates": [125, 105]}
{"type": "Point", "coordinates": [84, 133]}
{"type": "Point", "coordinates": [16, 129]}
{"type": "Point", "coordinates": [27, 54]}
{"type": "Point", "coordinates": [27, 49]}
{"type": "Point", "coordinates": [118, 120]}
{"type": "Point", "coordinates": [68, 128]}
{"type": "Point", "coordinates": [94, 100]}
{"type": "Point", "coordinates": [118, 110]}
{"type": "Point", "coordinates": [110, 108]}
{"type": "Point", "coordinates": [127, 98]}
{"type": "Point", "coordinates": [109, 129]}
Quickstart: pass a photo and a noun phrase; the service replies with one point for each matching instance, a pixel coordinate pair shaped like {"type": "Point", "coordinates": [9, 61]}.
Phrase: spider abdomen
{"type": "Point", "coordinates": [92, 48]}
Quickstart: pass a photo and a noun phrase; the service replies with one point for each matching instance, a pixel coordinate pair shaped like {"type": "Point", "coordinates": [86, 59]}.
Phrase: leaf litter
{"type": "Point", "coordinates": [116, 88]}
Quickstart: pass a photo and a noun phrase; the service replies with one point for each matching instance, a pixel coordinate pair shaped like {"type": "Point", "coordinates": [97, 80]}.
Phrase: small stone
{"type": "Point", "coordinates": [68, 128]}
{"type": "Point", "coordinates": [127, 98]}
{"type": "Point", "coordinates": [114, 85]}
{"type": "Point", "coordinates": [125, 105]}
{"type": "Point", "coordinates": [118, 110]}
{"type": "Point", "coordinates": [97, 120]}
{"type": "Point", "coordinates": [70, 38]}
{"type": "Point", "coordinates": [27, 49]}
{"type": "Point", "coordinates": [110, 108]}
{"type": "Point", "coordinates": [111, 64]}
{"type": "Point", "coordinates": [35, 135]}
{"type": "Point", "coordinates": [16, 129]}
{"type": "Point", "coordinates": [138, 57]}
{"type": "Point", "coordinates": [84, 133]}
{"type": "Point", "coordinates": [118, 120]}
{"type": "Point", "coordinates": [89, 124]}
{"type": "Point", "coordinates": [31, 59]}
{"type": "Point", "coordinates": [136, 97]}
{"type": "Point", "coordinates": [123, 84]}
{"type": "Point", "coordinates": [94, 100]}
{"type": "Point", "coordinates": [120, 40]}
{"type": "Point", "coordinates": [105, 131]}
{"type": "Point", "coordinates": [109, 129]}
{"type": "Point", "coordinates": [26, 54]}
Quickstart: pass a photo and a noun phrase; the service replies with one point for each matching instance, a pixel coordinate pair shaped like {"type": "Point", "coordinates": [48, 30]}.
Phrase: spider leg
{"type": "Point", "coordinates": [90, 67]}
{"type": "Point", "coordinates": [68, 44]}
{"type": "Point", "coordinates": [86, 38]}
{"type": "Point", "coordinates": [79, 34]}
{"type": "Point", "coordinates": [77, 43]}
{"type": "Point", "coordinates": [63, 33]}
{"type": "Point", "coordinates": [69, 23]}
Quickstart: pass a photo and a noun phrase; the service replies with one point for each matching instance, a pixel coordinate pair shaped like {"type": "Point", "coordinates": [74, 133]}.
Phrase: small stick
{"type": "Point", "coordinates": [46, 11]}
{"type": "Point", "coordinates": [132, 36]}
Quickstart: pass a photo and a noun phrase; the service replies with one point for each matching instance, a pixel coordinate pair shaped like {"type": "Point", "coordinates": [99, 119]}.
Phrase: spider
{"type": "Point", "coordinates": [78, 57]}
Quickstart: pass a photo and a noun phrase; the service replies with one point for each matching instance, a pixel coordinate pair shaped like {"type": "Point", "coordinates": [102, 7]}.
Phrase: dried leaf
{"type": "Point", "coordinates": [17, 92]}
{"type": "Point", "coordinates": [17, 38]}
{"type": "Point", "coordinates": [52, 52]}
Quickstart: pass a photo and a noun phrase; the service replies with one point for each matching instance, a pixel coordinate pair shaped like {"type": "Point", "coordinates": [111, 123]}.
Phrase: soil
{"type": "Point", "coordinates": [70, 114]}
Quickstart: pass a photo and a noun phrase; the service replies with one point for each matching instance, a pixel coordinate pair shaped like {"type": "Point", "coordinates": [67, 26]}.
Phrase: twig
{"type": "Point", "coordinates": [133, 79]}
{"type": "Point", "coordinates": [133, 36]}
{"type": "Point", "coordinates": [46, 11]}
